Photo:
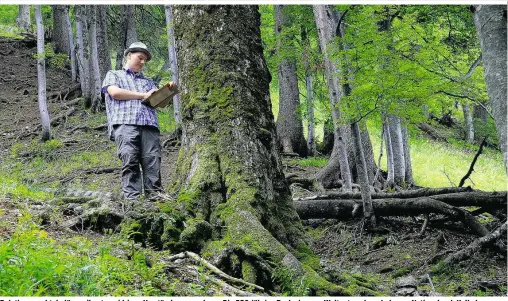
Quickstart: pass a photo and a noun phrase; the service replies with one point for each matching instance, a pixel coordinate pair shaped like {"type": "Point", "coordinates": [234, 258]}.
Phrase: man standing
{"type": "Point", "coordinates": [133, 125]}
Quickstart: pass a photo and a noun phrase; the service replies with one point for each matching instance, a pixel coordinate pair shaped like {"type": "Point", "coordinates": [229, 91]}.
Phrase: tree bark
{"type": "Point", "coordinates": [390, 178]}
{"type": "Point", "coordinates": [131, 34]}
{"type": "Point", "coordinates": [459, 197]}
{"type": "Point", "coordinates": [480, 112]}
{"type": "Point", "coordinates": [399, 168]}
{"type": "Point", "coordinates": [102, 40]}
{"type": "Point", "coordinates": [289, 121]}
{"type": "Point", "coordinates": [23, 18]}
{"type": "Point", "coordinates": [490, 22]}
{"type": "Point", "coordinates": [95, 74]}
{"type": "Point", "coordinates": [41, 76]}
{"type": "Point", "coordinates": [408, 177]}
{"type": "Point", "coordinates": [83, 64]}
{"type": "Point", "coordinates": [230, 176]}
{"type": "Point", "coordinates": [311, 132]}
{"type": "Point", "coordinates": [468, 123]}
{"type": "Point", "coordinates": [326, 21]}
{"type": "Point", "coordinates": [72, 49]}
{"type": "Point", "coordinates": [60, 31]}
{"type": "Point", "coordinates": [177, 111]}
{"type": "Point", "coordinates": [363, 176]}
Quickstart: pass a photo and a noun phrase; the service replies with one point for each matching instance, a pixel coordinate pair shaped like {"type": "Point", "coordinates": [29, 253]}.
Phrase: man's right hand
{"type": "Point", "coordinates": [147, 94]}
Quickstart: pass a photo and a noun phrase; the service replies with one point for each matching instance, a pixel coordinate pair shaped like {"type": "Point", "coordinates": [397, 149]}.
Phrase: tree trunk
{"type": "Point", "coordinates": [468, 123]}
{"type": "Point", "coordinates": [390, 179]}
{"type": "Point", "coordinates": [326, 21]}
{"type": "Point", "coordinates": [399, 168]}
{"type": "Point", "coordinates": [490, 21]}
{"type": "Point", "coordinates": [408, 178]}
{"type": "Point", "coordinates": [83, 65]}
{"type": "Point", "coordinates": [71, 46]}
{"type": "Point", "coordinates": [289, 121]}
{"type": "Point", "coordinates": [368, 152]}
{"type": "Point", "coordinates": [131, 34]}
{"type": "Point", "coordinates": [23, 18]}
{"type": "Point", "coordinates": [122, 36]}
{"type": "Point", "coordinates": [311, 133]}
{"type": "Point", "coordinates": [481, 113]}
{"type": "Point", "coordinates": [363, 177]}
{"type": "Point", "coordinates": [95, 74]}
{"type": "Point", "coordinates": [230, 176]}
{"type": "Point", "coordinates": [102, 39]}
{"type": "Point", "coordinates": [174, 63]}
{"type": "Point", "coordinates": [60, 31]}
{"type": "Point", "coordinates": [41, 75]}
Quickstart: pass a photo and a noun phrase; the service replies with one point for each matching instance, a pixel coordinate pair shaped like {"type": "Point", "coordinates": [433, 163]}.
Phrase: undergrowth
{"type": "Point", "coordinates": [34, 264]}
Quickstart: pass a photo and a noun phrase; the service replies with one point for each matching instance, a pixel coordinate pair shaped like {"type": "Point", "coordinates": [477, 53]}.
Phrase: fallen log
{"type": "Point", "coordinates": [338, 209]}
{"type": "Point", "coordinates": [456, 196]}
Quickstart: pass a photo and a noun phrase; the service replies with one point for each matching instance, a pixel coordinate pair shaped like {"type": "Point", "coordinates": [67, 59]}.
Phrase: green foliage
{"type": "Point", "coordinates": [285, 278]}
{"type": "Point", "coordinates": [35, 264]}
{"type": "Point", "coordinates": [166, 119]}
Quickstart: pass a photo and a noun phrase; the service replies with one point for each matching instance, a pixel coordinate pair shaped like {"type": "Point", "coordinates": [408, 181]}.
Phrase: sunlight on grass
{"type": "Point", "coordinates": [438, 164]}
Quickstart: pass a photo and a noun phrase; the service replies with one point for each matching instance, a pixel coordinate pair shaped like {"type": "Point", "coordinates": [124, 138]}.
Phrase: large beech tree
{"type": "Point", "coordinates": [490, 21]}
{"type": "Point", "coordinates": [231, 187]}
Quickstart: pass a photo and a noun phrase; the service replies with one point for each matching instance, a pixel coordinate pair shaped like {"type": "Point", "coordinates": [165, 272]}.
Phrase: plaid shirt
{"type": "Point", "coordinates": [128, 111]}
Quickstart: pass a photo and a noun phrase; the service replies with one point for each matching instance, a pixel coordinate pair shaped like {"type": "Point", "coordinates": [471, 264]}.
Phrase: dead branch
{"type": "Point", "coordinates": [214, 269]}
{"type": "Point", "coordinates": [65, 92]}
{"type": "Point", "coordinates": [467, 252]}
{"type": "Point", "coordinates": [471, 168]}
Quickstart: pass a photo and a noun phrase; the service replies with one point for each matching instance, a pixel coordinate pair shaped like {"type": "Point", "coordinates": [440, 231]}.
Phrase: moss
{"type": "Point", "coordinates": [248, 272]}
{"type": "Point", "coordinates": [195, 234]}
{"type": "Point", "coordinates": [307, 257]}
{"type": "Point", "coordinates": [400, 272]}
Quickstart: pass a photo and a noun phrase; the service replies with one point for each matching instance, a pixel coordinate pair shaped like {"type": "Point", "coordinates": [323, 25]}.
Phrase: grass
{"type": "Point", "coordinates": [440, 164]}
{"type": "Point", "coordinates": [34, 264]}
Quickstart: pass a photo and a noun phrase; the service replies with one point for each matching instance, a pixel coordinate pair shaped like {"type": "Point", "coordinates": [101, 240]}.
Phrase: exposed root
{"type": "Point", "coordinates": [214, 269]}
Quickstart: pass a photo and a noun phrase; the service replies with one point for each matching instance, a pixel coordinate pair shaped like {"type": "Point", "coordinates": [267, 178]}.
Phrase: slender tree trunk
{"type": "Point", "coordinates": [363, 177]}
{"type": "Point", "coordinates": [41, 75]}
{"type": "Point", "coordinates": [368, 152]}
{"type": "Point", "coordinates": [131, 34]}
{"type": "Point", "coordinates": [23, 17]}
{"type": "Point", "coordinates": [311, 132]}
{"type": "Point", "coordinates": [399, 167]}
{"type": "Point", "coordinates": [490, 21]}
{"type": "Point", "coordinates": [60, 31]}
{"type": "Point", "coordinates": [102, 39]}
{"type": "Point", "coordinates": [468, 122]}
{"type": "Point", "coordinates": [481, 113]}
{"type": "Point", "coordinates": [390, 179]}
{"type": "Point", "coordinates": [408, 178]}
{"type": "Point", "coordinates": [326, 21]}
{"type": "Point", "coordinates": [229, 173]}
{"type": "Point", "coordinates": [95, 74]}
{"type": "Point", "coordinates": [289, 121]}
{"type": "Point", "coordinates": [83, 65]}
{"type": "Point", "coordinates": [71, 46]}
{"type": "Point", "coordinates": [174, 63]}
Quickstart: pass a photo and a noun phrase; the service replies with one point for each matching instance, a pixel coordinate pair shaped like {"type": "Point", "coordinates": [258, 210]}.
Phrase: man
{"type": "Point", "coordinates": [133, 125]}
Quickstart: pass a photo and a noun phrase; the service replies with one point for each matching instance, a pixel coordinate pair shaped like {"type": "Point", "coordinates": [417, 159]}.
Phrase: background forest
{"type": "Point", "coordinates": [368, 107]}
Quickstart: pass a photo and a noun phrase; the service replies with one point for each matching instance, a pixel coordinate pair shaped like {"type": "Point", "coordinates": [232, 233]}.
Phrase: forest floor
{"type": "Point", "coordinates": [80, 157]}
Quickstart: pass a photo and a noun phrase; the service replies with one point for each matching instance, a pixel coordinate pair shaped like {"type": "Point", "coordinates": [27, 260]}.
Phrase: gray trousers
{"type": "Point", "coordinates": [140, 151]}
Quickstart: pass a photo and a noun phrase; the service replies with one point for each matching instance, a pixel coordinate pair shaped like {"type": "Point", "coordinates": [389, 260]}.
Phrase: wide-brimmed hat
{"type": "Point", "coordinates": [138, 47]}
